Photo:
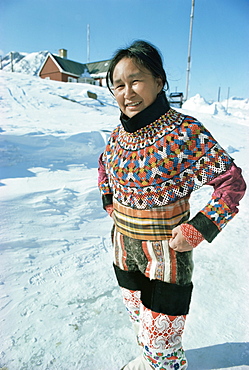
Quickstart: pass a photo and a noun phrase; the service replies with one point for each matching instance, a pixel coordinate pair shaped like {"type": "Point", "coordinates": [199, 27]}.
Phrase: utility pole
{"type": "Point", "coordinates": [11, 61]}
{"type": "Point", "coordinates": [228, 96]}
{"type": "Point", "coordinates": [88, 43]}
{"type": "Point", "coordinates": [189, 47]}
{"type": "Point", "coordinates": [219, 94]}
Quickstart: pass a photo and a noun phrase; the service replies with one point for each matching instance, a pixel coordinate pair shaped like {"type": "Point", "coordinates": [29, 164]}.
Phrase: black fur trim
{"type": "Point", "coordinates": [150, 114]}
{"type": "Point", "coordinates": [158, 296]}
{"type": "Point", "coordinates": [107, 200]}
{"type": "Point", "coordinates": [205, 226]}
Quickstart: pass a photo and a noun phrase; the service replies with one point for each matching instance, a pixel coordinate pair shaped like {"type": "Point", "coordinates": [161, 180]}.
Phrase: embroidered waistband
{"type": "Point", "coordinates": [150, 224]}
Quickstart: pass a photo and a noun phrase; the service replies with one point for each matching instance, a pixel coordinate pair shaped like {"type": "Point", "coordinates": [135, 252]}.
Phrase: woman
{"type": "Point", "coordinates": [153, 161]}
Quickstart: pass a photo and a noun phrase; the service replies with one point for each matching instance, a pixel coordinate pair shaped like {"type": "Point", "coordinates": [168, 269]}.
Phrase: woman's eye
{"type": "Point", "coordinates": [119, 87]}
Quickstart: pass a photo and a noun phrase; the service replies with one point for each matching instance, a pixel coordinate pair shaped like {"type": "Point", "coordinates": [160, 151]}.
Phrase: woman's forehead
{"type": "Point", "coordinates": [128, 68]}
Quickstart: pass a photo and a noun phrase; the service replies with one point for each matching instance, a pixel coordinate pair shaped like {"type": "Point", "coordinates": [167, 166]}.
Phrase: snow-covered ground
{"type": "Point", "coordinates": [60, 306]}
{"type": "Point", "coordinates": [27, 63]}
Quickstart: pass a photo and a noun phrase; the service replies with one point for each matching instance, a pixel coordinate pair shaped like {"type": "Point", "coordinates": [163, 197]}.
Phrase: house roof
{"type": "Point", "coordinates": [98, 67]}
{"type": "Point", "coordinates": [77, 69]}
{"type": "Point", "coordinates": [70, 66]}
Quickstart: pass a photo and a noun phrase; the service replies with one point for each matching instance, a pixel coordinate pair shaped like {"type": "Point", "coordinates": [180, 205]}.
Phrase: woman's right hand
{"type": "Point", "coordinates": [109, 209]}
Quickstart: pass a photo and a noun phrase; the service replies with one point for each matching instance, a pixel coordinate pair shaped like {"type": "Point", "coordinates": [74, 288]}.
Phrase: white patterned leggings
{"type": "Point", "coordinates": [156, 287]}
{"type": "Point", "coordinates": [159, 334]}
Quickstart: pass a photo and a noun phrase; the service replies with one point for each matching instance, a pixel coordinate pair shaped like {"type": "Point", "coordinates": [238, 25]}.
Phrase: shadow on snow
{"type": "Point", "coordinates": [21, 153]}
{"type": "Point", "coordinates": [218, 356]}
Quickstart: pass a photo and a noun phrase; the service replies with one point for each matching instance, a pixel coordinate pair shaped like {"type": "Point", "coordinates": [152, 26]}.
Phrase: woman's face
{"type": "Point", "coordinates": [135, 88]}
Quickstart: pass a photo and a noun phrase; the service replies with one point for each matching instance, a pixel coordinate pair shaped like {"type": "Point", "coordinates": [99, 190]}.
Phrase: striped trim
{"type": "Point", "coordinates": [124, 253]}
{"type": "Point", "coordinates": [158, 256]}
{"type": "Point", "coordinates": [150, 224]}
{"type": "Point", "coordinates": [120, 253]}
{"type": "Point", "coordinates": [173, 266]}
{"type": "Point", "coordinates": [161, 262]}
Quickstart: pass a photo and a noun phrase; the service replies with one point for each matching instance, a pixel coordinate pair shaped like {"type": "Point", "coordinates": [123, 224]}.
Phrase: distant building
{"type": "Point", "coordinates": [176, 99]}
{"type": "Point", "coordinates": [98, 71]}
{"type": "Point", "coordinates": [59, 68]}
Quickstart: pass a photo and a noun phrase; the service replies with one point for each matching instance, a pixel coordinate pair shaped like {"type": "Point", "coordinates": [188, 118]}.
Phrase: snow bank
{"type": "Point", "coordinates": [233, 107]}
{"type": "Point", "coordinates": [28, 63]}
{"type": "Point", "coordinates": [60, 306]}
{"type": "Point", "coordinates": [238, 103]}
{"type": "Point", "coordinates": [199, 104]}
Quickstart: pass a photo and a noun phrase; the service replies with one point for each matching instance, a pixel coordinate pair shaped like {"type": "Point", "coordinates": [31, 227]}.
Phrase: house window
{"type": "Point", "coordinates": [71, 79]}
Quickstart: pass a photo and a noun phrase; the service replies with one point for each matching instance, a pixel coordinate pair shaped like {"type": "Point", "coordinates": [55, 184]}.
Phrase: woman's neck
{"type": "Point", "coordinates": [146, 116]}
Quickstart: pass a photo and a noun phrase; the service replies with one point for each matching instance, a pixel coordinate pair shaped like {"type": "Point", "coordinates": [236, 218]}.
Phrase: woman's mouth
{"type": "Point", "coordinates": [134, 104]}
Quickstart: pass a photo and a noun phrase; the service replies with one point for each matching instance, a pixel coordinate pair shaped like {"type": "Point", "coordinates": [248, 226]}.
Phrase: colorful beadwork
{"type": "Point", "coordinates": [158, 165]}
{"type": "Point", "coordinates": [218, 212]}
{"type": "Point", "coordinates": [161, 162]}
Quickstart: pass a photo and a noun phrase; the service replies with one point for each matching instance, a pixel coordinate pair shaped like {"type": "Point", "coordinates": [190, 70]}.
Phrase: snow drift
{"type": "Point", "coordinates": [28, 63]}
{"type": "Point", "coordinates": [60, 305]}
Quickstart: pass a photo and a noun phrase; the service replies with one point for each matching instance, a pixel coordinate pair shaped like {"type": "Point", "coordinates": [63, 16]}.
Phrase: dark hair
{"type": "Point", "coordinates": [145, 54]}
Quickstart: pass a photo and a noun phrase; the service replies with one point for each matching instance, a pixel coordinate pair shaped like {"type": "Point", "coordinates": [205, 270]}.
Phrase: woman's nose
{"type": "Point", "coordinates": [129, 92]}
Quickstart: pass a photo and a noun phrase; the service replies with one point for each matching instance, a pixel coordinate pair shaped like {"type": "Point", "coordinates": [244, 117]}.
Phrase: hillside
{"type": "Point", "coordinates": [27, 63]}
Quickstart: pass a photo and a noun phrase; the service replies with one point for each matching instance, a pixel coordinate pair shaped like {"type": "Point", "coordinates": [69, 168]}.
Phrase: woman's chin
{"type": "Point", "coordinates": [132, 111]}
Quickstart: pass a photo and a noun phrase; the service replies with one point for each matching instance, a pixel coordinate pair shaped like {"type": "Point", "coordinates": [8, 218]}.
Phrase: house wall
{"type": "Point", "coordinates": [99, 81]}
{"type": "Point", "coordinates": [64, 78]}
{"type": "Point", "coordinates": [51, 70]}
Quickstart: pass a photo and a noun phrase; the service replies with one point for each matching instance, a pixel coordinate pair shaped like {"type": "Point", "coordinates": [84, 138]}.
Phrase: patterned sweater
{"type": "Point", "coordinates": [152, 168]}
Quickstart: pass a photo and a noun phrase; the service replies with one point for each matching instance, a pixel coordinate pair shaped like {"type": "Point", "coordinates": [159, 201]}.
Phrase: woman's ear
{"type": "Point", "coordinates": [160, 84]}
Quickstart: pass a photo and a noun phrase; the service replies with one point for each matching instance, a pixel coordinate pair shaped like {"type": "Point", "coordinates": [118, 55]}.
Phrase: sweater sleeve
{"type": "Point", "coordinates": [229, 188]}
{"type": "Point", "coordinates": [103, 184]}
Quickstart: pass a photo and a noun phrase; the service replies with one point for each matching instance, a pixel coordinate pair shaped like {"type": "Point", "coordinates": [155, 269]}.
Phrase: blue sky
{"type": "Point", "coordinates": [220, 46]}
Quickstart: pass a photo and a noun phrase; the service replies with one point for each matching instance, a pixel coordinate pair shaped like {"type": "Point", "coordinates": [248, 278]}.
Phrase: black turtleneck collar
{"type": "Point", "coordinates": [146, 116]}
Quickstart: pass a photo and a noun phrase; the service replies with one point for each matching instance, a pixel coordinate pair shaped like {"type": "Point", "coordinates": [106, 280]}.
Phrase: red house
{"type": "Point", "coordinates": [59, 68]}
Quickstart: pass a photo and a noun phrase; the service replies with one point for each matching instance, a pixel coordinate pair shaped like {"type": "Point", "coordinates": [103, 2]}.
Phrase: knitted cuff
{"type": "Point", "coordinates": [193, 236]}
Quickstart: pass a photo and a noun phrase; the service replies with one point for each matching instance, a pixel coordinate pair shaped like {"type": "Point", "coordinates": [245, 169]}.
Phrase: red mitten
{"type": "Point", "coordinates": [193, 236]}
{"type": "Point", "coordinates": [109, 209]}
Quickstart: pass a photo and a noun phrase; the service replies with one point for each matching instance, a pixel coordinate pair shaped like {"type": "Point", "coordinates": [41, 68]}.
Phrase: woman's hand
{"type": "Point", "coordinates": [109, 209]}
{"type": "Point", "coordinates": [178, 243]}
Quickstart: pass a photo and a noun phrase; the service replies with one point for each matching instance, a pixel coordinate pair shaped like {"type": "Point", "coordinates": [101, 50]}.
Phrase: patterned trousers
{"type": "Point", "coordinates": [160, 335]}
{"type": "Point", "coordinates": [156, 288]}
